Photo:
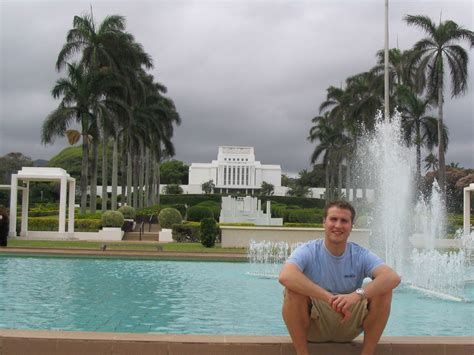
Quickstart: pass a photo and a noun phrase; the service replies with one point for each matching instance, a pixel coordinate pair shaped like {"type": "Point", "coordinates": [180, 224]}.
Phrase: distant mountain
{"type": "Point", "coordinates": [40, 162]}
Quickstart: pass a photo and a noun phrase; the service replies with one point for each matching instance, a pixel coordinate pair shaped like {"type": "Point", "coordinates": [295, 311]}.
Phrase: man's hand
{"type": "Point", "coordinates": [343, 304]}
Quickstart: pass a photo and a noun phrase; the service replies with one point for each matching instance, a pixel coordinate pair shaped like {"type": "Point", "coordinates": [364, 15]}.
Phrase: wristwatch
{"type": "Point", "coordinates": [361, 293]}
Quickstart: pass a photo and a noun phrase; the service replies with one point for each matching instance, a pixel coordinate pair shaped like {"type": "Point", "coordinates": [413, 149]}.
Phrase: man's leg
{"type": "Point", "coordinates": [374, 323]}
{"type": "Point", "coordinates": [296, 316]}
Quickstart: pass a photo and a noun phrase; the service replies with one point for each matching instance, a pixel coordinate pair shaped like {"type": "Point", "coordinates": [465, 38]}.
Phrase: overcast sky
{"type": "Point", "coordinates": [249, 73]}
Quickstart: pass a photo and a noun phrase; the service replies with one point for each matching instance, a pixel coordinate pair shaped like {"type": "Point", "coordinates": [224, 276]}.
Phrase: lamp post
{"type": "Point", "coordinates": [386, 78]}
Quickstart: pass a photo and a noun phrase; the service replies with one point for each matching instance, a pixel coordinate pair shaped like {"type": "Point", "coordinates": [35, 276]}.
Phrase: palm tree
{"type": "Point", "coordinates": [418, 128]}
{"type": "Point", "coordinates": [431, 162]}
{"type": "Point", "coordinates": [80, 92]}
{"type": "Point", "coordinates": [332, 147]}
{"type": "Point", "coordinates": [432, 54]}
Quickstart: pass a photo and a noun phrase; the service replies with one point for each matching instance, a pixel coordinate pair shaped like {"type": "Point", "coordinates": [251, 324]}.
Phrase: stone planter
{"type": "Point", "coordinates": [111, 233]}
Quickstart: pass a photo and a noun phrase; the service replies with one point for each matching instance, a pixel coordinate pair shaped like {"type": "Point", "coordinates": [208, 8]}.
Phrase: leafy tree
{"type": "Point", "coordinates": [267, 189]}
{"type": "Point", "coordinates": [208, 187]}
{"type": "Point", "coordinates": [173, 189]}
{"type": "Point", "coordinates": [174, 172]}
{"type": "Point", "coordinates": [285, 180]}
{"type": "Point", "coordinates": [10, 164]}
{"type": "Point", "coordinates": [433, 55]}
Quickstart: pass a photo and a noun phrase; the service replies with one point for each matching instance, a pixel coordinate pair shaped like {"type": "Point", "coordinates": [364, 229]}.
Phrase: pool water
{"type": "Point", "coordinates": [184, 297]}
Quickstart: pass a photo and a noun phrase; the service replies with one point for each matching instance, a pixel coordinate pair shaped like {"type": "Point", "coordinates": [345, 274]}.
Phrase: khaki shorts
{"type": "Point", "coordinates": [326, 323]}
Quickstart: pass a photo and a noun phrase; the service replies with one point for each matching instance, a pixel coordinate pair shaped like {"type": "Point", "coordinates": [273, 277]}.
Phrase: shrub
{"type": "Point", "coordinates": [180, 207]}
{"type": "Point", "coordinates": [197, 213]}
{"type": "Point", "coordinates": [87, 225]}
{"type": "Point", "coordinates": [168, 217]}
{"type": "Point", "coordinates": [187, 232]}
{"type": "Point", "coordinates": [172, 189]}
{"type": "Point", "coordinates": [209, 232]}
{"type": "Point", "coordinates": [128, 212]}
{"type": "Point", "coordinates": [214, 206]}
{"type": "Point", "coordinates": [303, 216]}
{"type": "Point", "coordinates": [112, 219]}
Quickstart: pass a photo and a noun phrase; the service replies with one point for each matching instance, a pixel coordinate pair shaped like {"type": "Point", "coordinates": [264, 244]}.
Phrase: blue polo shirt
{"type": "Point", "coordinates": [337, 274]}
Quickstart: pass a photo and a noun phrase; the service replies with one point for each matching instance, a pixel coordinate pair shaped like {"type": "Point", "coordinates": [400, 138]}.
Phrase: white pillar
{"type": "Point", "coordinates": [13, 202]}
{"type": "Point", "coordinates": [269, 213]}
{"type": "Point", "coordinates": [25, 193]}
{"type": "Point", "coordinates": [467, 210]}
{"type": "Point", "coordinates": [62, 206]}
{"type": "Point", "coordinates": [72, 195]}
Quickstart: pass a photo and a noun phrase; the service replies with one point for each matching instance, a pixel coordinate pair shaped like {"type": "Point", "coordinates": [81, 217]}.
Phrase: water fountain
{"type": "Point", "coordinates": [399, 219]}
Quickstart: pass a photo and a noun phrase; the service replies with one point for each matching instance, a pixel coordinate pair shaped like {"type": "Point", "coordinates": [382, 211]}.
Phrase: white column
{"type": "Point", "coordinates": [62, 206]}
{"type": "Point", "coordinates": [13, 202]}
{"type": "Point", "coordinates": [467, 210]}
{"type": "Point", "coordinates": [269, 213]}
{"type": "Point", "coordinates": [72, 195]}
{"type": "Point", "coordinates": [25, 193]}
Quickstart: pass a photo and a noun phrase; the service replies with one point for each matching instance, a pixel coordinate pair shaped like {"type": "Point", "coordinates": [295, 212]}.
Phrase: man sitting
{"type": "Point", "coordinates": [324, 299]}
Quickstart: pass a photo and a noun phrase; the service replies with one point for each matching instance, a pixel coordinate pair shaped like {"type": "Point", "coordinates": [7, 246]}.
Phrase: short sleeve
{"type": "Point", "coordinates": [371, 262]}
{"type": "Point", "coordinates": [300, 257]}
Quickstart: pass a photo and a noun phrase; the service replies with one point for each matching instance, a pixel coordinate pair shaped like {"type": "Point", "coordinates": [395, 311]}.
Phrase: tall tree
{"type": "Point", "coordinates": [433, 55]}
{"type": "Point", "coordinates": [419, 128]}
{"type": "Point", "coordinates": [80, 93]}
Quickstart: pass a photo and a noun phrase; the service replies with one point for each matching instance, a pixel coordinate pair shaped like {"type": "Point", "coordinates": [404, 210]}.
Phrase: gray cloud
{"type": "Point", "coordinates": [240, 72]}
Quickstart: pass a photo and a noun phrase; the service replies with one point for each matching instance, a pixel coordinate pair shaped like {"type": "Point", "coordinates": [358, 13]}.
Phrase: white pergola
{"type": "Point", "coordinates": [467, 208]}
{"type": "Point", "coordinates": [28, 174]}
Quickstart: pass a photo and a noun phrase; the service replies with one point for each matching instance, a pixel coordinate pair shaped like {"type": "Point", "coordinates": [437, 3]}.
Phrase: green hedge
{"type": "Point", "coordinates": [302, 202]}
{"type": "Point", "coordinates": [197, 213]}
{"type": "Point", "coordinates": [308, 215]}
{"type": "Point", "coordinates": [187, 232]}
{"type": "Point", "coordinates": [52, 224]}
{"type": "Point", "coordinates": [303, 225]}
{"type": "Point", "coordinates": [189, 199]}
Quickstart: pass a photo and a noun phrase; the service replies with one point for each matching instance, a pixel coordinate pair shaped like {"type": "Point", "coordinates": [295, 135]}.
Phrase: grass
{"type": "Point", "coordinates": [123, 246]}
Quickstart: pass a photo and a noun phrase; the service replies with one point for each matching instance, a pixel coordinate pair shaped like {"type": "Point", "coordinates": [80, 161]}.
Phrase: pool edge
{"type": "Point", "coordinates": [13, 341]}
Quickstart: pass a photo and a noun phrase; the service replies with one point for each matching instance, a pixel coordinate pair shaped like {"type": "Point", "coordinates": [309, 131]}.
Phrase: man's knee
{"type": "Point", "coordinates": [292, 296]}
{"type": "Point", "coordinates": [382, 301]}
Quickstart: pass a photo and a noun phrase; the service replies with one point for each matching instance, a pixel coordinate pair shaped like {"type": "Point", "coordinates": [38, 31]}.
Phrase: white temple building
{"type": "Point", "coordinates": [234, 170]}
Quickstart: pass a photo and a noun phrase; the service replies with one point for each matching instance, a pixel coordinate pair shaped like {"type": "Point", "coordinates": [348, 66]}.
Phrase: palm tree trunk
{"type": "Point", "coordinates": [95, 157]}
{"type": "Point", "coordinates": [124, 154]}
{"type": "Point", "coordinates": [147, 178]}
{"type": "Point", "coordinates": [158, 178]}
{"type": "Point", "coordinates": [339, 179]}
{"type": "Point", "coordinates": [105, 182]}
{"type": "Point", "coordinates": [442, 165]}
{"type": "Point", "coordinates": [135, 177]}
{"type": "Point", "coordinates": [348, 179]}
{"type": "Point", "coordinates": [326, 195]}
{"type": "Point", "coordinates": [129, 175]}
{"type": "Point", "coordinates": [114, 173]}
{"type": "Point", "coordinates": [84, 171]}
{"type": "Point", "coordinates": [141, 172]}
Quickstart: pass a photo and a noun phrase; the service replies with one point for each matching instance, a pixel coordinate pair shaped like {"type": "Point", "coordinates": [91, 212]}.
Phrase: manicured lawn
{"type": "Point", "coordinates": [144, 246]}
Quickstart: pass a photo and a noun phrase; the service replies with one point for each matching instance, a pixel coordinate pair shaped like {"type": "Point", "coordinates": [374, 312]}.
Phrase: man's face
{"type": "Point", "coordinates": [337, 225]}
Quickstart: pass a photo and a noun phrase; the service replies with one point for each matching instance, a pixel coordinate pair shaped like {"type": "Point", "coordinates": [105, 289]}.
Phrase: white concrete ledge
{"type": "Point", "coordinates": [240, 237]}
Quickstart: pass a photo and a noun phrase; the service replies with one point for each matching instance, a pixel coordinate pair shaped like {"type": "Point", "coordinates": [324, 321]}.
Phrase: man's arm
{"type": "Point", "coordinates": [385, 280]}
{"type": "Point", "coordinates": [292, 278]}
